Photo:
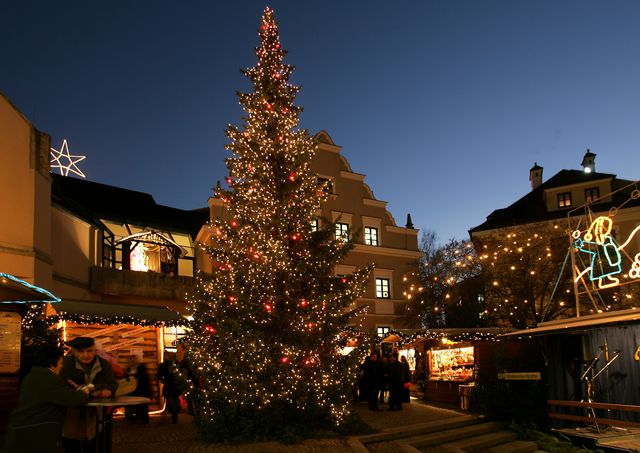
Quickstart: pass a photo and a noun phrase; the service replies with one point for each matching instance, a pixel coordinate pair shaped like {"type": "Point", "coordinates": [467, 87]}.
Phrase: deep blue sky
{"type": "Point", "coordinates": [444, 105]}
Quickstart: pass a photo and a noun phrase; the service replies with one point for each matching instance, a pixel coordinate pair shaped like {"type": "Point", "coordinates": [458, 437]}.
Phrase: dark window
{"type": "Point", "coordinates": [370, 236]}
{"type": "Point", "coordinates": [382, 288]}
{"type": "Point", "coordinates": [591, 194]}
{"type": "Point", "coordinates": [564, 200]}
{"type": "Point", "coordinates": [327, 182]}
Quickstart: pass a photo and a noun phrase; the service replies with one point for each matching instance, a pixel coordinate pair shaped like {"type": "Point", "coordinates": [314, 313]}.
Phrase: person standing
{"type": "Point", "coordinates": [406, 384]}
{"type": "Point", "coordinates": [370, 379]}
{"type": "Point", "coordinates": [143, 388]}
{"type": "Point", "coordinates": [396, 383]}
{"type": "Point", "coordinates": [36, 425]}
{"type": "Point", "coordinates": [83, 367]}
{"type": "Point", "coordinates": [170, 390]}
{"type": "Point", "coordinates": [382, 377]}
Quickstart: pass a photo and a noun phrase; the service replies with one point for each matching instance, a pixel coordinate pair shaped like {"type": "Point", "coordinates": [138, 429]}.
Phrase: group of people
{"type": "Point", "coordinates": [52, 415]}
{"type": "Point", "coordinates": [380, 375]}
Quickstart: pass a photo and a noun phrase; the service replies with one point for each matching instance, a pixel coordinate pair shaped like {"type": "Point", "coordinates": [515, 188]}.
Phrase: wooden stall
{"type": "Point", "coordinates": [124, 331]}
{"type": "Point", "coordinates": [450, 360]}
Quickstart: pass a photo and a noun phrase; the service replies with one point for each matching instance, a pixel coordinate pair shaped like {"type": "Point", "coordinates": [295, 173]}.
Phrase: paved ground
{"type": "Point", "coordinates": [160, 436]}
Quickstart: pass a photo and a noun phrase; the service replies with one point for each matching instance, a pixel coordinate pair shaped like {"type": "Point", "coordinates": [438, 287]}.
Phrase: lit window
{"type": "Point", "coordinates": [172, 336]}
{"type": "Point", "coordinates": [370, 236]}
{"type": "Point", "coordinates": [564, 200]}
{"type": "Point", "coordinates": [382, 288]}
{"type": "Point", "coordinates": [383, 331]}
{"type": "Point", "coordinates": [327, 182]}
{"type": "Point", "coordinates": [342, 230]}
{"type": "Point", "coordinates": [314, 225]}
{"type": "Point", "coordinates": [591, 195]}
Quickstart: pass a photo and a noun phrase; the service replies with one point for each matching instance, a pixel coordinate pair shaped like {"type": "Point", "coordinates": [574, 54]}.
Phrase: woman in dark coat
{"type": "Point", "coordinates": [36, 425]}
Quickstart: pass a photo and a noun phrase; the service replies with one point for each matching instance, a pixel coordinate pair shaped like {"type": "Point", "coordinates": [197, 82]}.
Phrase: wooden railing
{"type": "Point", "coordinates": [594, 407]}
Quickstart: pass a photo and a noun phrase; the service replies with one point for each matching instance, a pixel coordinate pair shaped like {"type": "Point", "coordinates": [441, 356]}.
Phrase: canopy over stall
{"type": "Point", "coordinates": [14, 290]}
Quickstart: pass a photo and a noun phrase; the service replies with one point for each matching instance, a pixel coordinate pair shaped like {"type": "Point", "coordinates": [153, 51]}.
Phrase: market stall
{"type": "Point", "coordinates": [447, 362]}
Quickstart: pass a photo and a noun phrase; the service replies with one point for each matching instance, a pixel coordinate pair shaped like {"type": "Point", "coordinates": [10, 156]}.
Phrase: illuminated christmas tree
{"type": "Point", "coordinates": [269, 320]}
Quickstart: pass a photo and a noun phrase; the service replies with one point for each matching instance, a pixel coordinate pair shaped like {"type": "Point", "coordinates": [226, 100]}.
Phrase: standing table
{"type": "Point", "coordinates": [103, 419]}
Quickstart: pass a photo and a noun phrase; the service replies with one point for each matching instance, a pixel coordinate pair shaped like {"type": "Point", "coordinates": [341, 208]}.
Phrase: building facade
{"type": "Point", "coordinates": [599, 215]}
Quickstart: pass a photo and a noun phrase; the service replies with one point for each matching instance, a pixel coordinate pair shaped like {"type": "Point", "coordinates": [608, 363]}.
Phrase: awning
{"type": "Point", "coordinates": [108, 313]}
{"type": "Point", "coordinates": [581, 323]}
{"type": "Point", "coordinates": [14, 290]}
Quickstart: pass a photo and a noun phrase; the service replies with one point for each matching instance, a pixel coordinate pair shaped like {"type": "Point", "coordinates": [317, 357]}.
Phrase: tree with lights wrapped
{"type": "Point", "coordinates": [527, 275]}
{"type": "Point", "coordinates": [268, 322]}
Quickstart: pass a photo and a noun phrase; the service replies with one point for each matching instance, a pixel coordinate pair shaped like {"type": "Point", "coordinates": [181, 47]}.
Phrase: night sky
{"type": "Point", "coordinates": [443, 105]}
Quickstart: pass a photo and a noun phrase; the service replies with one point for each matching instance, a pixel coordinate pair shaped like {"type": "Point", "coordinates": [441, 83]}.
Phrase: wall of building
{"type": "Point", "coordinates": [25, 243]}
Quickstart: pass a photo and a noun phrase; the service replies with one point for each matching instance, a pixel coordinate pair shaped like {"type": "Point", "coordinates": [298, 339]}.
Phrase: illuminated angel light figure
{"type": "Point", "coordinates": [69, 161]}
{"type": "Point", "coordinates": [605, 253]}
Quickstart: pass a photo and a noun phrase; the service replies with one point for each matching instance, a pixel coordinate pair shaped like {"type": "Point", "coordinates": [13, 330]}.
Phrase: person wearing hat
{"type": "Point", "coordinates": [36, 425]}
{"type": "Point", "coordinates": [84, 367]}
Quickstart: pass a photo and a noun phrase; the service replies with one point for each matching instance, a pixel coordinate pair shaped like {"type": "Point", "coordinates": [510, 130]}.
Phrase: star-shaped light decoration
{"type": "Point", "coordinates": [69, 161]}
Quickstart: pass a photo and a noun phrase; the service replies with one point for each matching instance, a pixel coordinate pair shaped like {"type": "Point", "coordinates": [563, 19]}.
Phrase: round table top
{"type": "Point", "coordinates": [119, 401]}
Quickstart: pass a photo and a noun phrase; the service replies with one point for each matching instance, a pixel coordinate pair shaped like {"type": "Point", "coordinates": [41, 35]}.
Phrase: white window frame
{"type": "Point", "coordinates": [372, 222]}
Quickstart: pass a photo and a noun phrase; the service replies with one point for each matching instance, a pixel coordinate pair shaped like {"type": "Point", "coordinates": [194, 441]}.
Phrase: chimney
{"type": "Point", "coordinates": [409, 222]}
{"type": "Point", "coordinates": [535, 176]}
{"type": "Point", "coordinates": [589, 162]}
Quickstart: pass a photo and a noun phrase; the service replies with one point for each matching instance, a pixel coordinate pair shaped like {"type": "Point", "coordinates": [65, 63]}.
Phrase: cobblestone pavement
{"type": "Point", "coordinates": [160, 436]}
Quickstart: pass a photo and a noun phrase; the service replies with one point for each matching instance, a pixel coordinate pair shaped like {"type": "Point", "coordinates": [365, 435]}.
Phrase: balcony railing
{"type": "Point", "coordinates": [145, 284]}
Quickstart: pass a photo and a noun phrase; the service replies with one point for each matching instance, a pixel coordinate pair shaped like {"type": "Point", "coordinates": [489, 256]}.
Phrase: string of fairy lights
{"type": "Point", "coordinates": [267, 321]}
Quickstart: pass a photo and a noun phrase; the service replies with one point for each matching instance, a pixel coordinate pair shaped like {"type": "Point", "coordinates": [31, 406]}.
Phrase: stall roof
{"type": "Point", "coordinates": [14, 290]}
{"type": "Point", "coordinates": [108, 313]}
{"type": "Point", "coordinates": [578, 324]}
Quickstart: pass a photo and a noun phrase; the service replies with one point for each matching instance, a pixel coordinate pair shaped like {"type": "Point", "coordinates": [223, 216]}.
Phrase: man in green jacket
{"type": "Point", "coordinates": [36, 425]}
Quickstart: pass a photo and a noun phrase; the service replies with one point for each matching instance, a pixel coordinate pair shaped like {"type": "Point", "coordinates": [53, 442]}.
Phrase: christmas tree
{"type": "Point", "coordinates": [269, 320]}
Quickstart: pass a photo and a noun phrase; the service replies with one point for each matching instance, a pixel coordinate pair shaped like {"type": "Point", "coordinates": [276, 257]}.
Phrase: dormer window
{"type": "Point", "coordinates": [591, 194]}
{"type": "Point", "coordinates": [564, 200]}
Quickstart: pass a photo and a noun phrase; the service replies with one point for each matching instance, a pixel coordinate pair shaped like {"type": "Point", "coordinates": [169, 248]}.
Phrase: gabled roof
{"type": "Point", "coordinates": [93, 201]}
{"type": "Point", "coordinates": [531, 208]}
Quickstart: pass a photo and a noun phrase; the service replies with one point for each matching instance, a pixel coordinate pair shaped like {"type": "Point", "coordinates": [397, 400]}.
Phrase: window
{"type": "Point", "coordinates": [314, 225]}
{"type": "Point", "coordinates": [564, 200]}
{"type": "Point", "coordinates": [370, 236]}
{"type": "Point", "coordinates": [382, 288]}
{"type": "Point", "coordinates": [591, 195]}
{"type": "Point", "coordinates": [342, 230]}
{"type": "Point", "coordinates": [382, 331]}
{"type": "Point", "coordinates": [326, 181]}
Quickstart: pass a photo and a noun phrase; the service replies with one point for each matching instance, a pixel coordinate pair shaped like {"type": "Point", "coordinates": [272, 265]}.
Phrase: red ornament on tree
{"type": "Point", "coordinates": [303, 303]}
{"type": "Point", "coordinates": [292, 176]}
{"type": "Point", "coordinates": [343, 279]}
{"type": "Point", "coordinates": [210, 330]}
{"type": "Point", "coordinates": [284, 359]}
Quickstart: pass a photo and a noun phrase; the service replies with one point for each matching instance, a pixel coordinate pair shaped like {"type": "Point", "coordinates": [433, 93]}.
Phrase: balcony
{"type": "Point", "coordinates": [144, 284]}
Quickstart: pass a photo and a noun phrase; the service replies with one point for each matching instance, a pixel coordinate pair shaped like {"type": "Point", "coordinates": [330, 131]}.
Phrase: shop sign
{"type": "Point", "coordinates": [10, 335]}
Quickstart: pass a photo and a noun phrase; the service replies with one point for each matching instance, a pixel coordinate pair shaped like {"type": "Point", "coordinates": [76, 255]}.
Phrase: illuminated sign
{"type": "Point", "coordinates": [65, 161]}
{"type": "Point", "coordinates": [605, 253]}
